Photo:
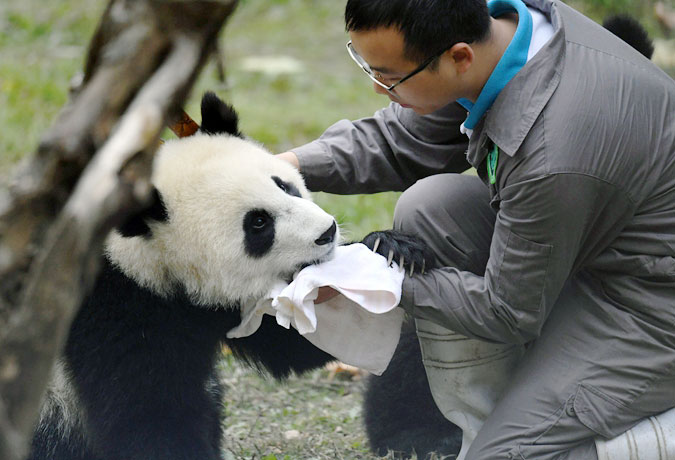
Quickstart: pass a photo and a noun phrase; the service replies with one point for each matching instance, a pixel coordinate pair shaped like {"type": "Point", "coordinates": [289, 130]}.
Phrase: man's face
{"type": "Point", "coordinates": [425, 92]}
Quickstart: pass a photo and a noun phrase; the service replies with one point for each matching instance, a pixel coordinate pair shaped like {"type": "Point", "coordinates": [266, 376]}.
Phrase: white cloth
{"type": "Point", "coordinates": [360, 327]}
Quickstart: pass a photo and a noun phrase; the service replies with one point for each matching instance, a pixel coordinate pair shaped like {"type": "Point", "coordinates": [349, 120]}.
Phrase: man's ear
{"type": "Point", "coordinates": [461, 56]}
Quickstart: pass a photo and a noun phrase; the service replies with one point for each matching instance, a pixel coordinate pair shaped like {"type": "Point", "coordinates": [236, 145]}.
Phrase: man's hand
{"type": "Point", "coordinates": [291, 157]}
{"type": "Point", "coordinates": [326, 293]}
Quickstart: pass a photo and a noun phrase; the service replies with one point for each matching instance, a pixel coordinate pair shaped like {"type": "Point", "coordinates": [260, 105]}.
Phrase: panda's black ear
{"type": "Point", "coordinates": [628, 29]}
{"type": "Point", "coordinates": [218, 117]}
{"type": "Point", "coordinates": [137, 224]}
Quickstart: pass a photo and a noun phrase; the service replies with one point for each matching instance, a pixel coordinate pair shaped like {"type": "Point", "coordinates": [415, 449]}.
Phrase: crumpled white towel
{"type": "Point", "coordinates": [360, 327]}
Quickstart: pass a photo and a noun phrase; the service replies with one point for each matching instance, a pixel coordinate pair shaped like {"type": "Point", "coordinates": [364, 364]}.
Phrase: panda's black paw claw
{"type": "Point", "coordinates": [409, 252]}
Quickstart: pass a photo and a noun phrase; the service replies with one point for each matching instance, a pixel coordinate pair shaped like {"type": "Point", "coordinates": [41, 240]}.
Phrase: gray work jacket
{"type": "Point", "coordinates": [585, 184]}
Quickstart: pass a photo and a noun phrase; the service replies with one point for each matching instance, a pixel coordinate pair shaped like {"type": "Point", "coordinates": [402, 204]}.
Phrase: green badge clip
{"type": "Point", "coordinates": [492, 158]}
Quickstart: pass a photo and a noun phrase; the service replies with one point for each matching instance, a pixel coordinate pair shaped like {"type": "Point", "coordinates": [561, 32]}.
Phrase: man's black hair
{"type": "Point", "coordinates": [428, 26]}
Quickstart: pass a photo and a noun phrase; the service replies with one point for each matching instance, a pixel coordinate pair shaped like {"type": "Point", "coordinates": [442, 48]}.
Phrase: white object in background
{"type": "Point", "coordinates": [360, 327]}
{"type": "Point", "coordinates": [651, 439]}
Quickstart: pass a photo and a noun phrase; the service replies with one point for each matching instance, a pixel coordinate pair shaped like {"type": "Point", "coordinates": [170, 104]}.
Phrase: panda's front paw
{"type": "Point", "coordinates": [409, 252]}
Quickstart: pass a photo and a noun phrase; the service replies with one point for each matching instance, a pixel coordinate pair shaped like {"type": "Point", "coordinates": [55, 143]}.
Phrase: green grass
{"type": "Point", "coordinates": [42, 45]}
{"type": "Point", "coordinates": [324, 414]}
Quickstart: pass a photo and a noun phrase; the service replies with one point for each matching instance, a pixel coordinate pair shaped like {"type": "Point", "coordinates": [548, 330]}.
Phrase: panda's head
{"type": "Point", "coordinates": [228, 221]}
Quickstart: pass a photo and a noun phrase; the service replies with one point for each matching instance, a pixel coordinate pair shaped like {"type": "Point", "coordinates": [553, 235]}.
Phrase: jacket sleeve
{"type": "Point", "coordinates": [546, 228]}
{"type": "Point", "coordinates": [386, 152]}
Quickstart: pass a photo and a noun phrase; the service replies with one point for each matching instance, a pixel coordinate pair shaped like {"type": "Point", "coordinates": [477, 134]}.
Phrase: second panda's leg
{"type": "Point", "coordinates": [399, 411]}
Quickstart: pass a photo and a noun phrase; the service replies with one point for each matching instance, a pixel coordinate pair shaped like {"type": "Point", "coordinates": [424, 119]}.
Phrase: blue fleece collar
{"type": "Point", "coordinates": [514, 58]}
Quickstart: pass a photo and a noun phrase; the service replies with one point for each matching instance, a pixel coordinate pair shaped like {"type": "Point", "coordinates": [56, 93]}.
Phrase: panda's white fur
{"type": "Point", "coordinates": [62, 400]}
{"type": "Point", "coordinates": [207, 184]}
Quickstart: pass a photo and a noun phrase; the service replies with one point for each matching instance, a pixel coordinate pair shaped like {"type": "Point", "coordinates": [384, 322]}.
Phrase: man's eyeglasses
{"type": "Point", "coordinates": [376, 77]}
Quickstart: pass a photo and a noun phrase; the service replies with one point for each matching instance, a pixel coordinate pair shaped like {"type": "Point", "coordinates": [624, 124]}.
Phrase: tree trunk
{"type": "Point", "coordinates": [89, 172]}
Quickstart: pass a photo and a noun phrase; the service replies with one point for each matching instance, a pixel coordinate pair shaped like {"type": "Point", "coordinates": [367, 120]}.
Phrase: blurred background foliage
{"type": "Point", "coordinates": [285, 65]}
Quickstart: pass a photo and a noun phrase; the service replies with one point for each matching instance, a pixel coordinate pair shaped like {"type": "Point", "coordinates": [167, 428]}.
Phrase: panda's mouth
{"type": "Point", "coordinates": [324, 258]}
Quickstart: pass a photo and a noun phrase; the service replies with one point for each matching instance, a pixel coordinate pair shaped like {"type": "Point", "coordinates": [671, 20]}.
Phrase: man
{"type": "Point", "coordinates": [571, 246]}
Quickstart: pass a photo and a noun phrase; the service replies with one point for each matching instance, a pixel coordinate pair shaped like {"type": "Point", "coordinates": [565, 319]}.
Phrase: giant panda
{"type": "Point", "coordinates": [136, 379]}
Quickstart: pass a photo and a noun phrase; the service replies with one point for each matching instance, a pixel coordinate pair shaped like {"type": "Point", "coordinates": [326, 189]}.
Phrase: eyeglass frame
{"type": "Point", "coordinates": [389, 88]}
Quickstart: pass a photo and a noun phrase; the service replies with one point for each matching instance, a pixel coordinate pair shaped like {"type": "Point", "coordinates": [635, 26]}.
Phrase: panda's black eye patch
{"type": "Point", "coordinates": [258, 232]}
{"type": "Point", "coordinates": [287, 187]}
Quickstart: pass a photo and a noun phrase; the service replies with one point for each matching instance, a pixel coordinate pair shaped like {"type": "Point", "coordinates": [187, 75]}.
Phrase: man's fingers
{"type": "Point", "coordinates": [325, 293]}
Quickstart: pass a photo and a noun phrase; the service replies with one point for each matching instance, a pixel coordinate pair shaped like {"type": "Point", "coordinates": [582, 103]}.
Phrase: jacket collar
{"type": "Point", "coordinates": [511, 62]}
{"type": "Point", "coordinates": [522, 100]}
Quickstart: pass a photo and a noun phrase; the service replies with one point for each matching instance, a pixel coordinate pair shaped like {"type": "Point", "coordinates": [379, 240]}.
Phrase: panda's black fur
{"type": "Point", "coordinates": [218, 118]}
{"type": "Point", "coordinates": [629, 30]}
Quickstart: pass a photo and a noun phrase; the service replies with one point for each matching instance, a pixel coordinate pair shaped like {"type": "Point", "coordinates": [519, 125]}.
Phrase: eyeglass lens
{"type": "Point", "coordinates": [366, 68]}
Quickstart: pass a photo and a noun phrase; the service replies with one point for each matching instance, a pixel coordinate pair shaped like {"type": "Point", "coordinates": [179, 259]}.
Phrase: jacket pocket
{"type": "Point", "coordinates": [523, 272]}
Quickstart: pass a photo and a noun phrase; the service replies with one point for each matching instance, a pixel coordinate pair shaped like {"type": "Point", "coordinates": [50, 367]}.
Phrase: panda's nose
{"type": "Point", "coordinates": [327, 236]}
